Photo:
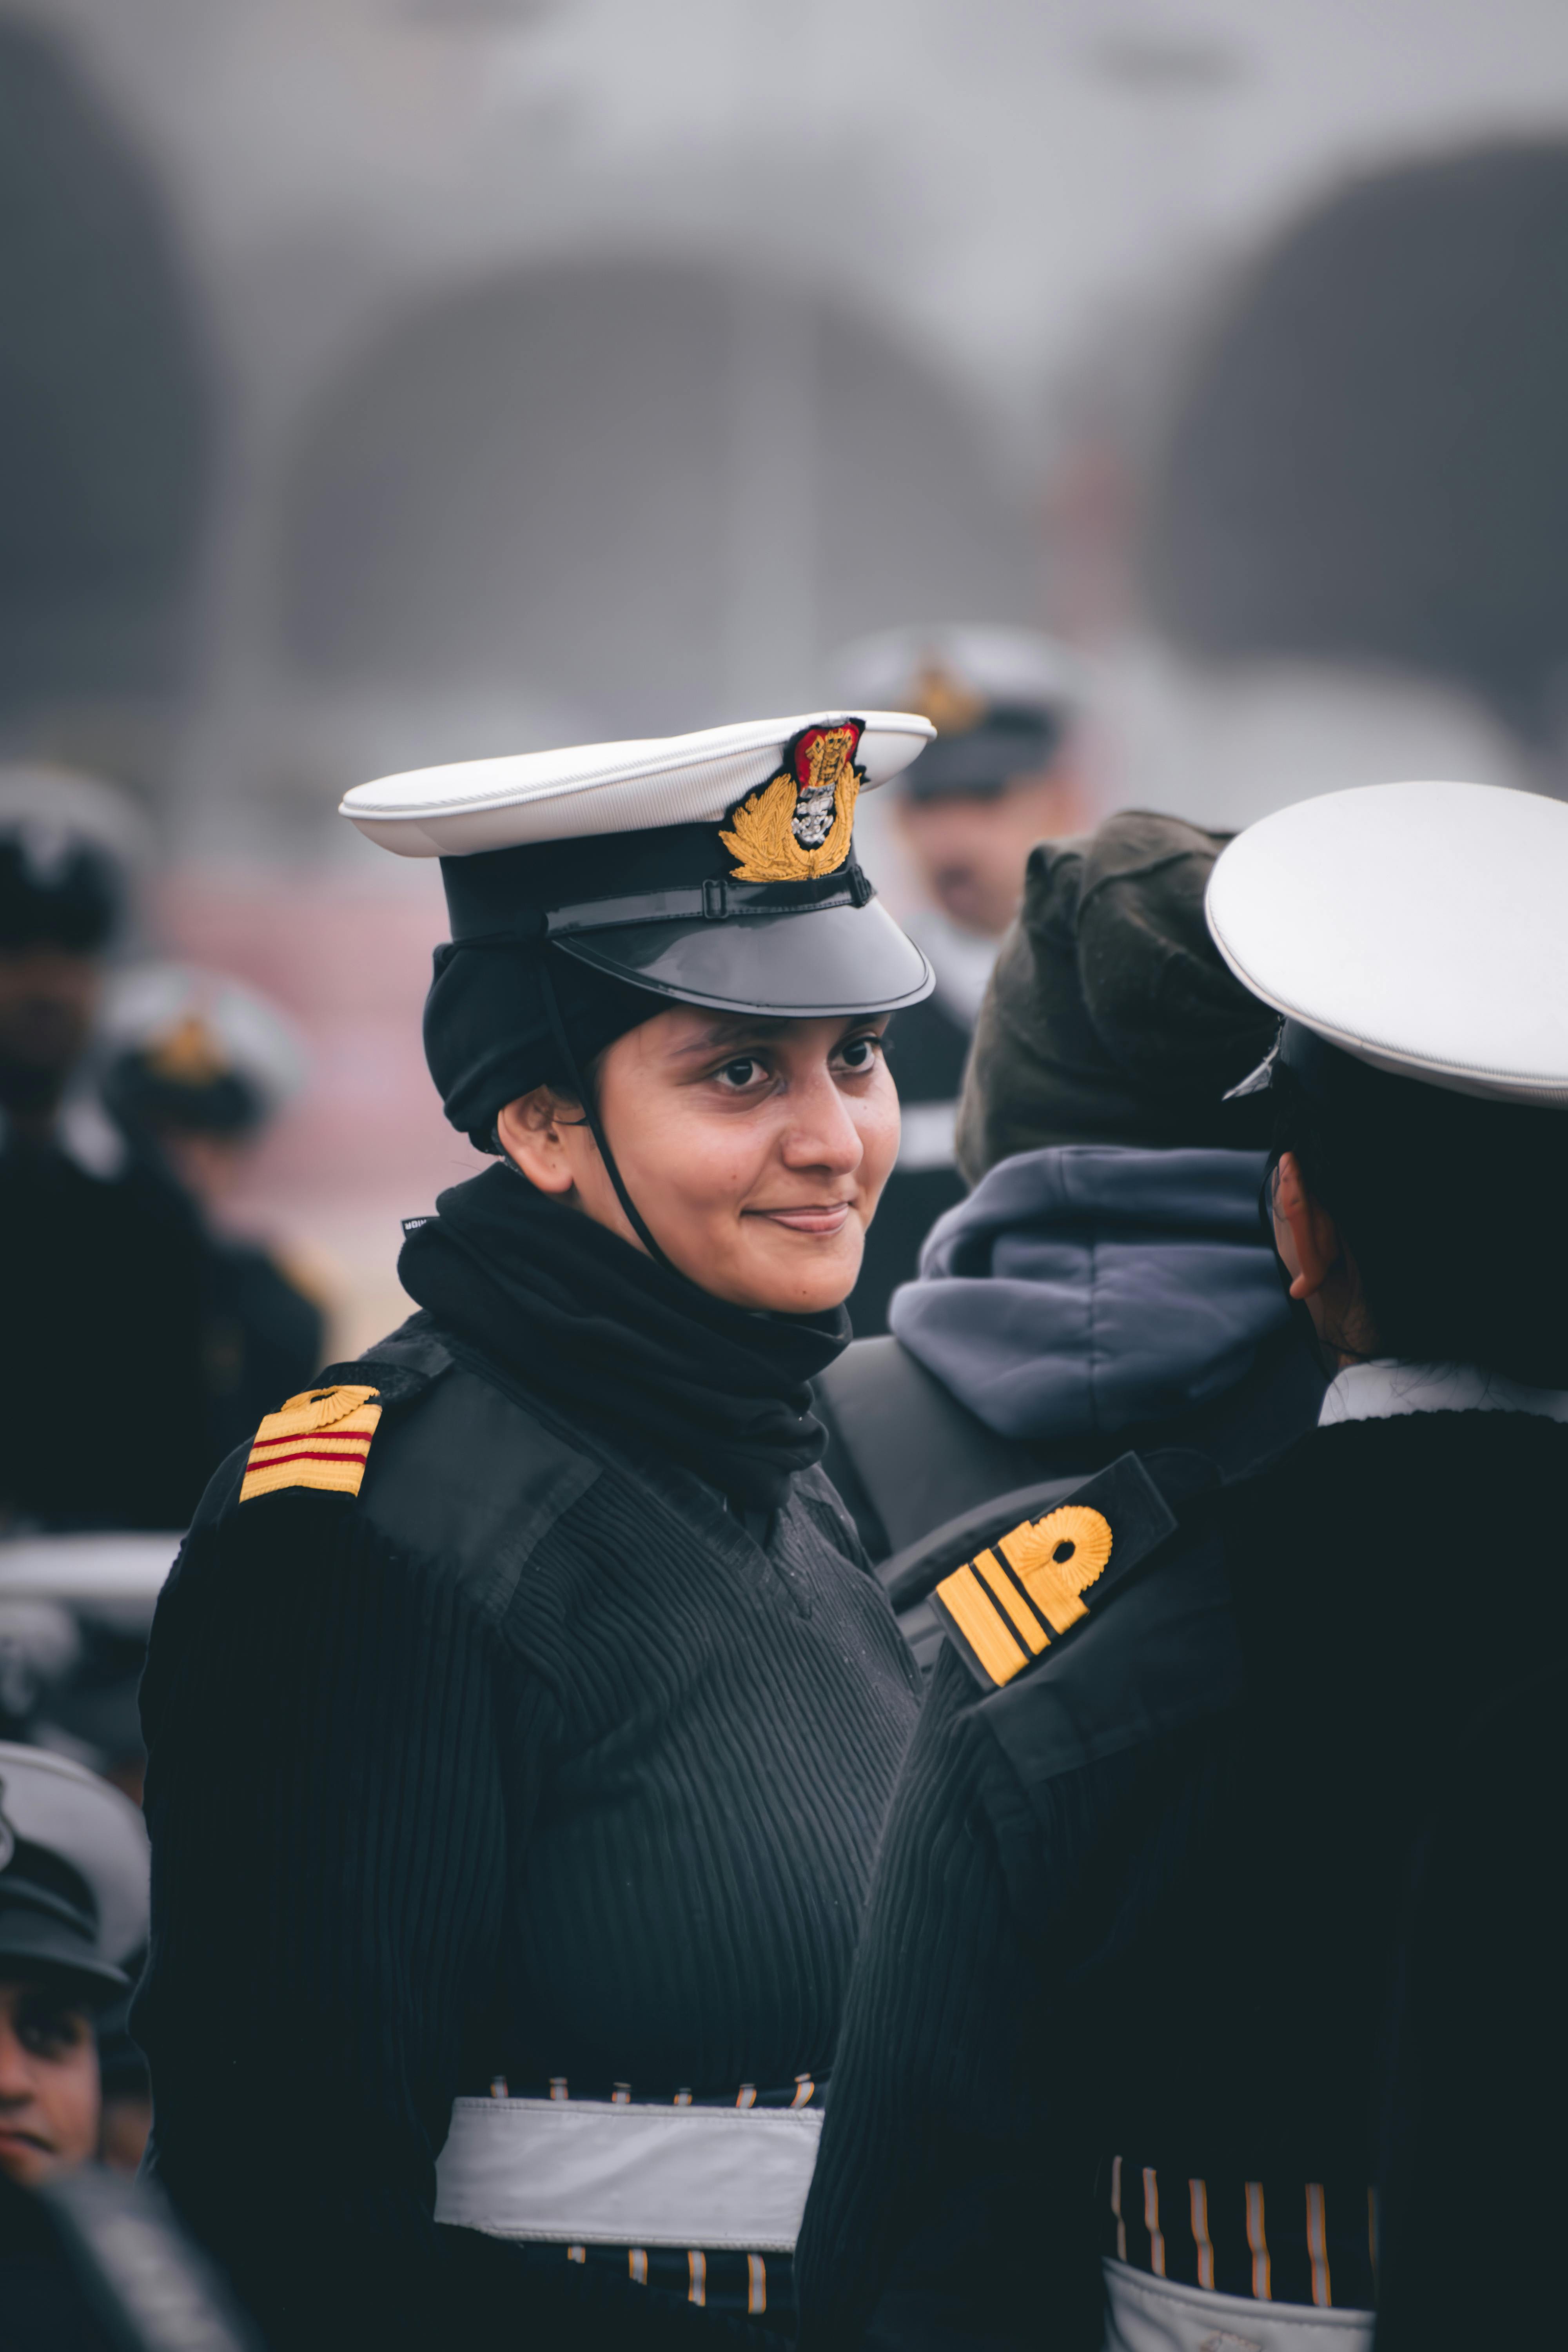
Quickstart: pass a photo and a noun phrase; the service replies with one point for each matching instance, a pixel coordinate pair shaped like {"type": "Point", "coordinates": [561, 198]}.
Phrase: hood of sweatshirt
{"type": "Point", "coordinates": [1088, 1288]}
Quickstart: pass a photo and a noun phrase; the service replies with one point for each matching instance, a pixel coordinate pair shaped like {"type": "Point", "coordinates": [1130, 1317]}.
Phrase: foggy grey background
{"type": "Point", "coordinates": [390, 380]}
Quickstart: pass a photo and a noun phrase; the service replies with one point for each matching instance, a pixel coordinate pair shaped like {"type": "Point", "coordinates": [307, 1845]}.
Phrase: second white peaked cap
{"type": "Point", "coordinates": [607, 788]}
{"type": "Point", "coordinates": [1421, 927]}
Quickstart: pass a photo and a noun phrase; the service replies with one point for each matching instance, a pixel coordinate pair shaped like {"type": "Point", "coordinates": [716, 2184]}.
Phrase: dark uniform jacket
{"type": "Point", "coordinates": [530, 1759]}
{"type": "Point", "coordinates": [1125, 1979]}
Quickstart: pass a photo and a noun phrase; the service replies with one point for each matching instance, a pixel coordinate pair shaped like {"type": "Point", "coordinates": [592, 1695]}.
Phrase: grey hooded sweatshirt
{"type": "Point", "coordinates": [1090, 1288]}
{"type": "Point", "coordinates": [1085, 1301]}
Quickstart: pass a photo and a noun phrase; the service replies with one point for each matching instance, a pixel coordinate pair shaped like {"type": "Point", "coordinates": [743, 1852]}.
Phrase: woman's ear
{"type": "Point", "coordinates": [531, 1131]}
{"type": "Point", "coordinates": [1309, 1244]}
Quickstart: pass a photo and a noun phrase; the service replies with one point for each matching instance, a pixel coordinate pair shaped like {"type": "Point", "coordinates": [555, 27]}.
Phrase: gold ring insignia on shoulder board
{"type": "Point", "coordinates": [320, 1438]}
{"type": "Point", "coordinates": [1010, 1599]}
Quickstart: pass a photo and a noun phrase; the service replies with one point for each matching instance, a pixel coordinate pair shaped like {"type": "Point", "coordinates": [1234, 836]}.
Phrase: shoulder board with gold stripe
{"type": "Point", "coordinates": [1007, 1606]}
{"type": "Point", "coordinates": [320, 1438]}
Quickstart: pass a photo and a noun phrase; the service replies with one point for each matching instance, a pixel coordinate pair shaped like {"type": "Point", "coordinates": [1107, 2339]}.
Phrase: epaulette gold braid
{"type": "Point", "coordinates": [320, 1438]}
{"type": "Point", "coordinates": [1009, 1602]}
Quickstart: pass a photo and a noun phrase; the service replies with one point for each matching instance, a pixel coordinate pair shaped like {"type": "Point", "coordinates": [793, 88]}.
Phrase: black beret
{"type": "Point", "coordinates": [1111, 1017]}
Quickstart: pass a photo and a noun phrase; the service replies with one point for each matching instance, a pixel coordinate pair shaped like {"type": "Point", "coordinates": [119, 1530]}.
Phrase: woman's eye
{"type": "Point", "coordinates": [47, 2039]}
{"type": "Point", "coordinates": [741, 1073]}
{"type": "Point", "coordinates": [858, 1054]}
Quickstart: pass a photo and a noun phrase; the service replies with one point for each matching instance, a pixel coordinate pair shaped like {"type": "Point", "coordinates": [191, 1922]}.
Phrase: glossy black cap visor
{"type": "Point", "coordinates": [827, 959]}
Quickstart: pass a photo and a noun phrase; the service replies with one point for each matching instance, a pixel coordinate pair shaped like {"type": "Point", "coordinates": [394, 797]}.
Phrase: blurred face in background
{"type": "Point", "coordinates": [971, 848]}
{"type": "Point", "coordinates": [48, 998]}
{"type": "Point", "coordinates": [48, 2080]}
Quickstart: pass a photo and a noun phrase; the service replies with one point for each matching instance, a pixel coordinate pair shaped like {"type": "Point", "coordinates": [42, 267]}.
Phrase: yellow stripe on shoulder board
{"type": "Point", "coordinates": [1008, 1603]}
{"type": "Point", "coordinates": [320, 1438]}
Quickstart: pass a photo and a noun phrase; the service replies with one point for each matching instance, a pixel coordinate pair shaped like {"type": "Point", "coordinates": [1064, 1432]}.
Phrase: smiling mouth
{"type": "Point", "coordinates": [11, 2137]}
{"type": "Point", "coordinates": [818, 1217]}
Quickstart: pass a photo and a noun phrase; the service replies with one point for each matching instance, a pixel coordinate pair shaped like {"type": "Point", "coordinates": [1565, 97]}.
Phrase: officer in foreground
{"type": "Point", "coordinates": [534, 1651]}
{"type": "Point", "coordinates": [1002, 774]}
{"type": "Point", "coordinates": [1113, 2060]}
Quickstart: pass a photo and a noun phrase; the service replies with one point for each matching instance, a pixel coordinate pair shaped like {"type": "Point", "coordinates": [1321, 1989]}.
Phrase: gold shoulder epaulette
{"type": "Point", "coordinates": [320, 1438]}
{"type": "Point", "coordinates": [1005, 1606]}
{"type": "Point", "coordinates": [1008, 1602]}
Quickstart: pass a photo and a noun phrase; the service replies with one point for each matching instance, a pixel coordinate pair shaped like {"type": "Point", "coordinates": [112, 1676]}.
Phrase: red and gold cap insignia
{"type": "Point", "coordinates": [320, 1438]}
{"type": "Point", "coordinates": [799, 825]}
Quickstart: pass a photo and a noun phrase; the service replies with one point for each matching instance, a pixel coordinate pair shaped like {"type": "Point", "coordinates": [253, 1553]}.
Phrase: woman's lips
{"type": "Point", "coordinates": [821, 1217]}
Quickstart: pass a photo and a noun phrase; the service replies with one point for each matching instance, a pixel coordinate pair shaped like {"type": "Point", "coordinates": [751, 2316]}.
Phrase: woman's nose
{"type": "Point", "coordinates": [822, 1131]}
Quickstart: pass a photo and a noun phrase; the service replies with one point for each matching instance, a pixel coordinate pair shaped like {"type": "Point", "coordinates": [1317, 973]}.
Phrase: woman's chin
{"type": "Point", "coordinates": [772, 1280]}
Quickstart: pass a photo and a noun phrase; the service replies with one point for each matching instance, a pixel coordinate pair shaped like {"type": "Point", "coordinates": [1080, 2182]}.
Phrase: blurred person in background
{"type": "Point", "coordinates": [194, 1069]}
{"type": "Point", "coordinates": [73, 1909]}
{"type": "Point", "coordinates": [1002, 774]}
{"type": "Point", "coordinates": [1108, 1283]}
{"type": "Point", "coordinates": [100, 1262]}
{"type": "Point", "coordinates": [533, 1651]}
{"type": "Point", "coordinates": [88, 2261]}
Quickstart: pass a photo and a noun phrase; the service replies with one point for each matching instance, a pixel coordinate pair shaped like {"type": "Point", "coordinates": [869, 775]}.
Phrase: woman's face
{"type": "Point", "coordinates": [755, 1149]}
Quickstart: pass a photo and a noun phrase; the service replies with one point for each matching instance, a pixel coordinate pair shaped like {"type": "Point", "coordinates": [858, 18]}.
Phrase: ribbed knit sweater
{"type": "Point", "coordinates": [530, 1760]}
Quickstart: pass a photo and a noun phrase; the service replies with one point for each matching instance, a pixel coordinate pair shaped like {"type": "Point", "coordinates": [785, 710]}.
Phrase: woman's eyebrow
{"type": "Point", "coordinates": [759, 1032]}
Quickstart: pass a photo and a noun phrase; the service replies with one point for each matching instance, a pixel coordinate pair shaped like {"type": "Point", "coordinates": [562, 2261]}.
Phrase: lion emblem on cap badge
{"type": "Point", "coordinates": [799, 825]}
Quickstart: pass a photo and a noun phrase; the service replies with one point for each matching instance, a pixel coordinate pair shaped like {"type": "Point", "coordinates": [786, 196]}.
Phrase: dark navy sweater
{"type": "Point", "coordinates": [532, 1760]}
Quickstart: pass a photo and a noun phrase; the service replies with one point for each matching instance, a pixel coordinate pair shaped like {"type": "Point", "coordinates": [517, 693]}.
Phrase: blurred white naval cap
{"type": "Point", "coordinates": [954, 671]}
{"type": "Point", "coordinates": [590, 789]}
{"type": "Point", "coordinates": [191, 1026]}
{"type": "Point", "coordinates": [53, 1811]}
{"type": "Point", "coordinates": [1420, 928]}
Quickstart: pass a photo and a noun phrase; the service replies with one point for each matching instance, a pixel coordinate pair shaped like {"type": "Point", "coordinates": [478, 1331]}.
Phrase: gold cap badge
{"type": "Point", "coordinates": [952, 707]}
{"type": "Point", "coordinates": [799, 825]}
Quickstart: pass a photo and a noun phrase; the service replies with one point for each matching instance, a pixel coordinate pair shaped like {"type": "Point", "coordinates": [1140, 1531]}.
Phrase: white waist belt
{"type": "Point", "coordinates": [591, 2173]}
{"type": "Point", "coordinates": [1156, 2315]}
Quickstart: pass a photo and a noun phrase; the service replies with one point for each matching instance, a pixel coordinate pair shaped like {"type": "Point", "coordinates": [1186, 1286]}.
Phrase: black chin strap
{"type": "Point", "coordinates": [590, 1112]}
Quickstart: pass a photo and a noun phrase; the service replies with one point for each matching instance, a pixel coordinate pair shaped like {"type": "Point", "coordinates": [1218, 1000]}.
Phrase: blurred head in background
{"type": "Point", "coordinates": [73, 1907]}
{"type": "Point", "coordinates": [1001, 773]}
{"type": "Point", "coordinates": [195, 1068]}
{"type": "Point", "coordinates": [62, 899]}
{"type": "Point", "coordinates": [1111, 1018]}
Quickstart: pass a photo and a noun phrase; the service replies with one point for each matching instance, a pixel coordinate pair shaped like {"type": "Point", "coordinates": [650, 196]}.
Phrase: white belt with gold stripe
{"type": "Point", "coordinates": [595, 2172]}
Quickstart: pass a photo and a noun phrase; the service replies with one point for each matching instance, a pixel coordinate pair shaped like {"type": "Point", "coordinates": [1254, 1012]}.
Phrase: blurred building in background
{"type": "Point", "coordinates": [388, 381]}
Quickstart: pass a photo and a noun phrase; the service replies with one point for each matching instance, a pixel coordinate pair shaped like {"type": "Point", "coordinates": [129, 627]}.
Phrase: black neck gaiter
{"type": "Point", "coordinates": [599, 1329]}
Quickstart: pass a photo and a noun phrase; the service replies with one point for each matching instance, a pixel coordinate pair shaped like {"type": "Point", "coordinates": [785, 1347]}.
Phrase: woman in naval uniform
{"type": "Point", "coordinates": [1113, 2063]}
{"type": "Point", "coordinates": [520, 1713]}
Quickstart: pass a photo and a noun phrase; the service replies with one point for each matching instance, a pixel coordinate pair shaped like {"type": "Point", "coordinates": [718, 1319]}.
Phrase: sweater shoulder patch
{"type": "Point", "coordinates": [320, 1438]}
{"type": "Point", "coordinates": [1018, 1595]}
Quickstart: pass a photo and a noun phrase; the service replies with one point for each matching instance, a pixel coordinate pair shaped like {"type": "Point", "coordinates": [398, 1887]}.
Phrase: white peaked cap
{"type": "Point", "coordinates": [607, 788]}
{"type": "Point", "coordinates": [1422, 928]}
